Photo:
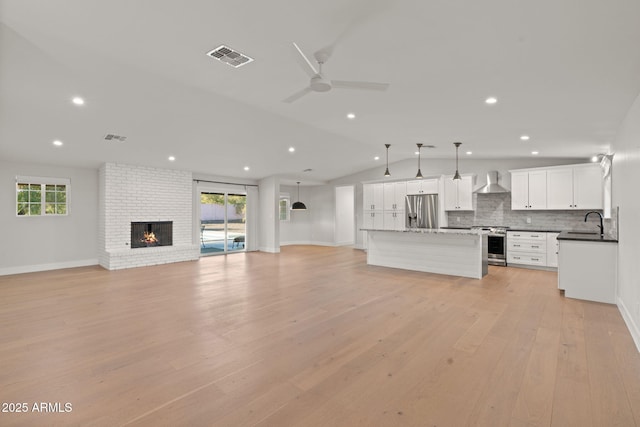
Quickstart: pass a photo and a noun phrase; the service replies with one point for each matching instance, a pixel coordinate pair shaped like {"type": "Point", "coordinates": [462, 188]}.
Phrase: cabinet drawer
{"type": "Point", "coordinates": [527, 259]}
{"type": "Point", "coordinates": [527, 246]}
{"type": "Point", "coordinates": [526, 235]}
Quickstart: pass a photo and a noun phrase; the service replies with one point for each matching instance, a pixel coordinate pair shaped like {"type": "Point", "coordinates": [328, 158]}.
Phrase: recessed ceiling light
{"type": "Point", "coordinates": [351, 116]}
{"type": "Point", "coordinates": [78, 101]}
{"type": "Point", "coordinates": [246, 168]}
{"type": "Point", "coordinates": [416, 153]}
{"type": "Point", "coordinates": [491, 100]}
{"type": "Point", "coordinates": [594, 159]}
{"type": "Point", "coordinates": [172, 158]}
{"type": "Point", "coordinates": [469, 152]}
{"type": "Point", "coordinates": [291, 149]}
{"type": "Point", "coordinates": [535, 153]}
{"type": "Point", "coordinates": [376, 158]}
{"type": "Point", "coordinates": [524, 137]}
{"type": "Point", "coordinates": [57, 143]}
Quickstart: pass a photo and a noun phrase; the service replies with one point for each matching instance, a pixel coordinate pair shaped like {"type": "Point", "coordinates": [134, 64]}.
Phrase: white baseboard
{"type": "Point", "coordinates": [307, 242]}
{"type": "Point", "coordinates": [45, 267]}
{"type": "Point", "coordinates": [631, 325]}
{"type": "Point", "coordinates": [270, 250]}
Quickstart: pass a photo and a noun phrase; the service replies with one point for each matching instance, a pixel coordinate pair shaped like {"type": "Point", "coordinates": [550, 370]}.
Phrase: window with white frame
{"type": "Point", "coordinates": [36, 196]}
{"type": "Point", "coordinates": [285, 207]}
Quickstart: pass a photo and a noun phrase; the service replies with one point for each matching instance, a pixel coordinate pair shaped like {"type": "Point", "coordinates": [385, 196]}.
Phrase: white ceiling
{"type": "Point", "coordinates": [564, 72]}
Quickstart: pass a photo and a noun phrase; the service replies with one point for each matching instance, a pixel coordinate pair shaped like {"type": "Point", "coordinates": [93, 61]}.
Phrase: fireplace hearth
{"type": "Point", "coordinates": [149, 234]}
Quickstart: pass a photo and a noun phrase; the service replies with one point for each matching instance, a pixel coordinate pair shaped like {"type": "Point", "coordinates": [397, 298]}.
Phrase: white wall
{"type": "Point", "coordinates": [625, 179]}
{"type": "Point", "coordinates": [269, 221]}
{"type": "Point", "coordinates": [314, 226]}
{"type": "Point", "coordinates": [47, 243]}
{"type": "Point", "coordinates": [345, 232]}
{"type": "Point", "coordinates": [297, 231]}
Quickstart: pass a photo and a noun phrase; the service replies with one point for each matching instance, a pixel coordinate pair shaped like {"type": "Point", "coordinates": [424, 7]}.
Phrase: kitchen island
{"type": "Point", "coordinates": [453, 252]}
{"type": "Point", "coordinates": [587, 266]}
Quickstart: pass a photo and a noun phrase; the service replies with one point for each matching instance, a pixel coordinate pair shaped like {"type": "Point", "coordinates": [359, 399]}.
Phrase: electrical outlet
{"type": "Point", "coordinates": [528, 220]}
{"type": "Point", "coordinates": [457, 219]}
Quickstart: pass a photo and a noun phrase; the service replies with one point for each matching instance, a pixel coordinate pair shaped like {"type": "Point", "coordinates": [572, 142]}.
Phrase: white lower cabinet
{"type": "Point", "coordinates": [373, 220]}
{"type": "Point", "coordinates": [552, 249]}
{"type": "Point", "coordinates": [527, 248]}
{"type": "Point", "coordinates": [393, 220]}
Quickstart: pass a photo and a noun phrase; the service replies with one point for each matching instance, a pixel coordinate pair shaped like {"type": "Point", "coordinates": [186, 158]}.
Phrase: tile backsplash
{"type": "Point", "coordinates": [495, 209]}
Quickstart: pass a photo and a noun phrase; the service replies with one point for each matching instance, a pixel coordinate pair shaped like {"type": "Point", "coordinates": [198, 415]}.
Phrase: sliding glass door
{"type": "Point", "coordinates": [222, 222]}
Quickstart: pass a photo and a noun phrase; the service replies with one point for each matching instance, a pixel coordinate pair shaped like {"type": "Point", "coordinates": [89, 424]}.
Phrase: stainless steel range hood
{"type": "Point", "coordinates": [492, 185]}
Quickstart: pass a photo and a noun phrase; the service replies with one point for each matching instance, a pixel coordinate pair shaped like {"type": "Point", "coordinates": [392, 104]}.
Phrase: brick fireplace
{"type": "Point", "coordinates": [147, 200]}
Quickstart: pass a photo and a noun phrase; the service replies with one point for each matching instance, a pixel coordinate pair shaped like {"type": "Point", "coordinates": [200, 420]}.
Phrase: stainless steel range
{"type": "Point", "coordinates": [496, 242]}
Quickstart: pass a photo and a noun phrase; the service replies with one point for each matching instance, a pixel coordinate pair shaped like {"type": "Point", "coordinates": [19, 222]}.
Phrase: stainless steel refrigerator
{"type": "Point", "coordinates": [421, 211]}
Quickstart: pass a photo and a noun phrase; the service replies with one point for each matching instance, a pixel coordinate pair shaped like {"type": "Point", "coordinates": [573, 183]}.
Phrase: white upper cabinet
{"type": "Point", "coordinates": [458, 193]}
{"type": "Point", "coordinates": [528, 190]}
{"type": "Point", "coordinates": [558, 187]}
{"type": "Point", "coordinates": [577, 187]}
{"type": "Point", "coordinates": [394, 194]}
{"type": "Point", "coordinates": [588, 187]}
{"type": "Point", "coordinates": [373, 196]}
{"type": "Point", "coordinates": [422, 186]}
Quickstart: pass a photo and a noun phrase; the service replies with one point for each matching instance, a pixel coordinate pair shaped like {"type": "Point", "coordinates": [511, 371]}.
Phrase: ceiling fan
{"type": "Point", "coordinates": [319, 83]}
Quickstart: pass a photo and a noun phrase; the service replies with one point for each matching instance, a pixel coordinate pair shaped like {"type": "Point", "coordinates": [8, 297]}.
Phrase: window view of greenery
{"type": "Point", "coordinates": [239, 202]}
{"type": "Point", "coordinates": [284, 209]}
{"type": "Point", "coordinates": [30, 200]}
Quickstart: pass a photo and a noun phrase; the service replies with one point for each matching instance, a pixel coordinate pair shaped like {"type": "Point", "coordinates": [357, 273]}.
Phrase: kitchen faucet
{"type": "Point", "coordinates": [600, 215]}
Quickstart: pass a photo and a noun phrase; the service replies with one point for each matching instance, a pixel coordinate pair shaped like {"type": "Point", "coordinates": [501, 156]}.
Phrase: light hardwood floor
{"type": "Point", "coordinates": [311, 337]}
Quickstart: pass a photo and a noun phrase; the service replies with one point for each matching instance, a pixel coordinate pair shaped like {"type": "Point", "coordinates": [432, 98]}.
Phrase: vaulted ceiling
{"type": "Point", "coordinates": [563, 72]}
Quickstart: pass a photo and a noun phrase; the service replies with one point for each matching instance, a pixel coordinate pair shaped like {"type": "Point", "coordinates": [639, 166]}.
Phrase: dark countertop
{"type": "Point", "coordinates": [535, 230]}
{"type": "Point", "coordinates": [586, 237]}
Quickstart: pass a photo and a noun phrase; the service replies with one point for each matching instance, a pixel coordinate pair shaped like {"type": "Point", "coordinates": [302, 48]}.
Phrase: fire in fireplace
{"type": "Point", "coordinates": [157, 233]}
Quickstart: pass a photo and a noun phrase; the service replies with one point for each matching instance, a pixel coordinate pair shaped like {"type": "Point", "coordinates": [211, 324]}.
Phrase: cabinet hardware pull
{"type": "Point", "coordinates": [535, 246]}
{"type": "Point", "coordinates": [535, 259]}
{"type": "Point", "coordinates": [516, 245]}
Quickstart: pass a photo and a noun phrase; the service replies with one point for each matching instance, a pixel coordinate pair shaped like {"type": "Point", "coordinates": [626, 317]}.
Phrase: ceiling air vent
{"type": "Point", "coordinates": [229, 56]}
{"type": "Point", "coordinates": [112, 137]}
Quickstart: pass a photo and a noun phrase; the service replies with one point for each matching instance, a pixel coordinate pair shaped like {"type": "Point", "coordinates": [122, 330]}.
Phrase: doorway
{"type": "Point", "coordinates": [222, 222]}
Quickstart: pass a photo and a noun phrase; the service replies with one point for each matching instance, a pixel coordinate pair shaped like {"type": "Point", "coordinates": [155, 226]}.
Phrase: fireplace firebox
{"type": "Point", "coordinates": [146, 234]}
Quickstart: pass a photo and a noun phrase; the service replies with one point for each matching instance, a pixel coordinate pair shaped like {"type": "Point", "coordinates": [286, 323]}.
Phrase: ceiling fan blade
{"type": "Point", "coordinates": [304, 62]}
{"type": "Point", "coordinates": [342, 84]}
{"type": "Point", "coordinates": [297, 95]}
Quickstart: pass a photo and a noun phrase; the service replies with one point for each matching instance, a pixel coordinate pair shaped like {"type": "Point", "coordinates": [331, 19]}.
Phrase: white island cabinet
{"type": "Point", "coordinates": [587, 267]}
{"type": "Point", "coordinates": [453, 252]}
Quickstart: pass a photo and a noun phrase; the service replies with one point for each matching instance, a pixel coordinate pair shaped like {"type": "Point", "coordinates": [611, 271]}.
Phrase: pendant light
{"type": "Point", "coordinates": [298, 206]}
{"type": "Point", "coordinates": [457, 175]}
{"type": "Point", "coordinates": [419, 174]}
{"type": "Point", "coordinates": [386, 172]}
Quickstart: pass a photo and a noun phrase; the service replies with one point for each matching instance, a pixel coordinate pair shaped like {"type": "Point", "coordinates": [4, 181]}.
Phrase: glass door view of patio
{"type": "Point", "coordinates": [222, 222]}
